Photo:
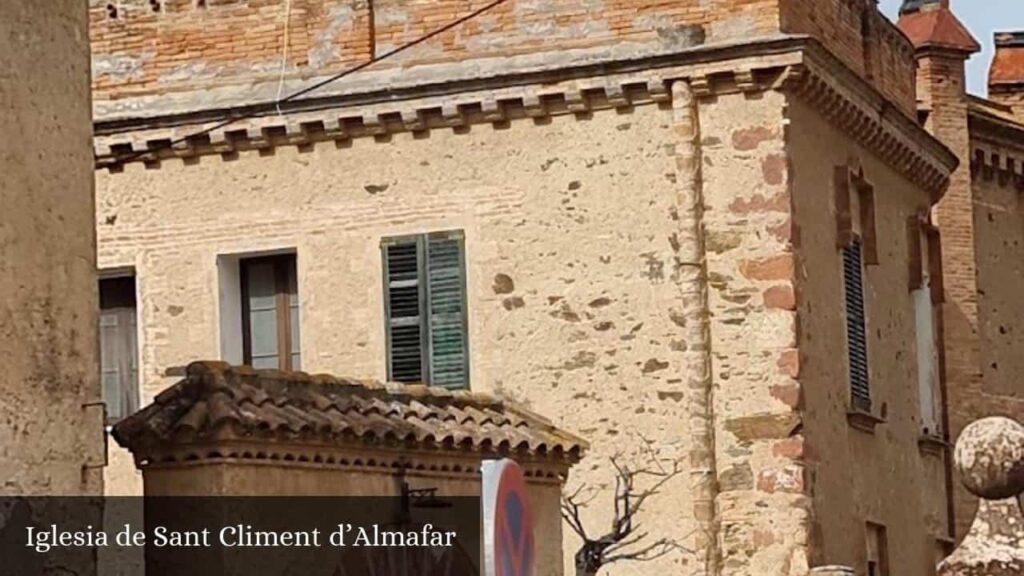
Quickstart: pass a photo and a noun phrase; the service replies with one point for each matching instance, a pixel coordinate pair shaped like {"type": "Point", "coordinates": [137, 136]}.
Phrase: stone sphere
{"type": "Point", "coordinates": [990, 458]}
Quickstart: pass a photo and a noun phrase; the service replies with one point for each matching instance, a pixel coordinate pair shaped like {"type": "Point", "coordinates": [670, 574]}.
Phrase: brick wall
{"type": "Point", "coordinates": [152, 46]}
{"type": "Point", "coordinates": [864, 39]}
{"type": "Point", "coordinates": [147, 47]}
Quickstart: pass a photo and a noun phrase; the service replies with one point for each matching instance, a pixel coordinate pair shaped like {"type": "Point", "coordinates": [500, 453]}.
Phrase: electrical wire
{"type": "Point", "coordinates": [119, 161]}
{"type": "Point", "coordinates": [284, 53]}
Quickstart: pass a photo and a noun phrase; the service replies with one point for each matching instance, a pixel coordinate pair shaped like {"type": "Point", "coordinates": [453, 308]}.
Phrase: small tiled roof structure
{"type": "Point", "coordinates": [931, 24]}
{"type": "Point", "coordinates": [1008, 64]}
{"type": "Point", "coordinates": [217, 401]}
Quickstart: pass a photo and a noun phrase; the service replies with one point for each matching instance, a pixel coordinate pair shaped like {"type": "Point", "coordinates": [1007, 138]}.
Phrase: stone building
{"type": "Point", "coordinates": [247, 432]}
{"type": "Point", "coordinates": [691, 231]}
{"type": "Point", "coordinates": [51, 412]}
{"type": "Point", "coordinates": [980, 217]}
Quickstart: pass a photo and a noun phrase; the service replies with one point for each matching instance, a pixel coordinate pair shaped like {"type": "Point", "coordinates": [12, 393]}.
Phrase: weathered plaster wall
{"type": "Point", "coordinates": [48, 356]}
{"type": "Point", "coordinates": [999, 234]}
{"type": "Point", "coordinates": [577, 213]}
{"type": "Point", "coordinates": [854, 476]}
{"type": "Point", "coordinates": [248, 478]}
{"type": "Point", "coordinates": [997, 248]}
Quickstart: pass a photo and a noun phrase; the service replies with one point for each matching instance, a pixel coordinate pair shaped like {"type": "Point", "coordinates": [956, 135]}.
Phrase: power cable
{"type": "Point", "coordinates": [119, 161]}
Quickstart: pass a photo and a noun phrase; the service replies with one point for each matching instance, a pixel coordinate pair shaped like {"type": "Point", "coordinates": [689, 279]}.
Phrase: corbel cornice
{"type": "Point", "coordinates": [994, 164]}
{"type": "Point", "coordinates": [795, 65]}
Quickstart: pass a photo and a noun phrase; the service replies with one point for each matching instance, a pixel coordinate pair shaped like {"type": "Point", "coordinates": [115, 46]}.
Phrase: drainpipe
{"type": "Point", "coordinates": [691, 264]}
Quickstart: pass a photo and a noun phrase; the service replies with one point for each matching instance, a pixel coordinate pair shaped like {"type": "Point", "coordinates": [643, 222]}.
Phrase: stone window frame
{"type": "Point", "coordinates": [925, 266]}
{"type": "Point", "coordinates": [849, 179]}
{"type": "Point", "coordinates": [876, 544]}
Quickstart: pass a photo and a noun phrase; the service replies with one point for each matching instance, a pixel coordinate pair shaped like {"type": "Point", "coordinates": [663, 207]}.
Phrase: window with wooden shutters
{"type": "Point", "coordinates": [856, 322]}
{"type": "Point", "coordinates": [425, 305]}
{"type": "Point", "coordinates": [270, 312]}
{"type": "Point", "coordinates": [119, 347]}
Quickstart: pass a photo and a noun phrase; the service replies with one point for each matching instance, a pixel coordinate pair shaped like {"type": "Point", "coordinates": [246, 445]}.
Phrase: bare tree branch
{"type": "Point", "coordinates": [624, 533]}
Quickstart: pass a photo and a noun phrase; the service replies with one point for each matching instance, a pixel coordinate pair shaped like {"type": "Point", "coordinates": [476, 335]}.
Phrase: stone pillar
{"type": "Point", "coordinates": [51, 419]}
{"type": "Point", "coordinates": [990, 459]}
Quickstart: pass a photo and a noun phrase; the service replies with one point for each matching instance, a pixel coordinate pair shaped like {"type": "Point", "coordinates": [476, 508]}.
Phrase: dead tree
{"type": "Point", "coordinates": [625, 541]}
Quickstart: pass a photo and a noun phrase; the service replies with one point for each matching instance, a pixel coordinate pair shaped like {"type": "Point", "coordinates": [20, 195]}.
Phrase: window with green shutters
{"type": "Point", "coordinates": [425, 306]}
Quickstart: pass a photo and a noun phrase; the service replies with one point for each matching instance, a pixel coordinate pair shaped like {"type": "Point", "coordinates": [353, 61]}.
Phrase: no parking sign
{"type": "Point", "coordinates": [508, 523]}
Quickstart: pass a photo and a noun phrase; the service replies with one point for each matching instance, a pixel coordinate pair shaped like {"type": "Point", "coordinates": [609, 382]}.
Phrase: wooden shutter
{"type": "Point", "coordinates": [270, 312]}
{"type": "Point", "coordinates": [405, 311]}
{"type": "Point", "coordinates": [446, 297]}
{"type": "Point", "coordinates": [856, 336]}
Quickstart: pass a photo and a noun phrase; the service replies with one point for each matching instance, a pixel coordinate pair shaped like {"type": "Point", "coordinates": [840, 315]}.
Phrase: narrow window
{"type": "Point", "coordinates": [922, 293]}
{"type": "Point", "coordinates": [118, 347]}
{"type": "Point", "coordinates": [270, 312]}
{"type": "Point", "coordinates": [858, 242]}
{"type": "Point", "coordinates": [878, 550]}
{"type": "Point", "coordinates": [856, 333]}
{"type": "Point", "coordinates": [425, 306]}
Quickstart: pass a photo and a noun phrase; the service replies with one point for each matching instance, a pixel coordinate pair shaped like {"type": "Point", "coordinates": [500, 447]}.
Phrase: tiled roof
{"type": "Point", "coordinates": [215, 397]}
{"type": "Point", "coordinates": [1008, 64]}
{"type": "Point", "coordinates": [933, 25]}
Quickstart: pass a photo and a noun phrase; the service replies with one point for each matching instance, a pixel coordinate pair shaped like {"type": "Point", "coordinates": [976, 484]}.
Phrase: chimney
{"type": "Point", "coordinates": [930, 24]}
{"type": "Point", "coordinates": [1006, 77]}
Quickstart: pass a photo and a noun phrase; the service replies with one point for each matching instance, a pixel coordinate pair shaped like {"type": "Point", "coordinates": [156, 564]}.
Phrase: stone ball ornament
{"type": "Point", "coordinates": [990, 458]}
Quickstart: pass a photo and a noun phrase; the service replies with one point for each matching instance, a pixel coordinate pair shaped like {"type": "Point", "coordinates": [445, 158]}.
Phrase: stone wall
{"type": "Point", "coordinates": [571, 283]}
{"type": "Point", "coordinates": [50, 442]}
{"type": "Point", "coordinates": [855, 475]}
{"type": "Point", "coordinates": [753, 340]}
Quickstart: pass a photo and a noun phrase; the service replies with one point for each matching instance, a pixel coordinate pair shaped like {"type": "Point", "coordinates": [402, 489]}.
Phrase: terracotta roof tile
{"type": "Point", "coordinates": [931, 25]}
{"type": "Point", "coordinates": [214, 396]}
{"type": "Point", "coordinates": [1008, 64]}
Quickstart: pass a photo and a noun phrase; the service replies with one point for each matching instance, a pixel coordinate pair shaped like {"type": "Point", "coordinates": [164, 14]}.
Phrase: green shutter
{"type": "Point", "coordinates": [447, 306]}
{"type": "Point", "coordinates": [404, 309]}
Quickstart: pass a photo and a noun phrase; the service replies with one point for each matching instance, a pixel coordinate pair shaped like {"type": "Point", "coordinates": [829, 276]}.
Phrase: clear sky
{"type": "Point", "coordinates": [982, 18]}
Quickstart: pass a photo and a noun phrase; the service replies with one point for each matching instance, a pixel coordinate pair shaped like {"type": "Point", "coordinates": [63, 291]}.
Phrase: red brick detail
{"type": "Point", "coordinates": [751, 138]}
{"type": "Point", "coordinates": [788, 480]}
{"type": "Point", "coordinates": [773, 169]}
{"type": "Point", "coordinates": [758, 204]}
{"type": "Point", "coordinates": [789, 363]}
{"type": "Point", "coordinates": [788, 394]}
{"type": "Point", "coordinates": [780, 297]}
{"type": "Point", "coordinates": [775, 268]}
{"type": "Point", "coordinates": [792, 448]}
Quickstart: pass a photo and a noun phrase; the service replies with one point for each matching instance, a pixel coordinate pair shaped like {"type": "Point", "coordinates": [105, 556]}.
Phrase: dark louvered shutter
{"type": "Point", "coordinates": [446, 298]}
{"type": "Point", "coordinates": [856, 337]}
{"type": "Point", "coordinates": [404, 307]}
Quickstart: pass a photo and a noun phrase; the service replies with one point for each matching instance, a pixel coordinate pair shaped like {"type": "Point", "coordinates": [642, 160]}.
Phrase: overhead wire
{"type": "Point", "coordinates": [118, 161]}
